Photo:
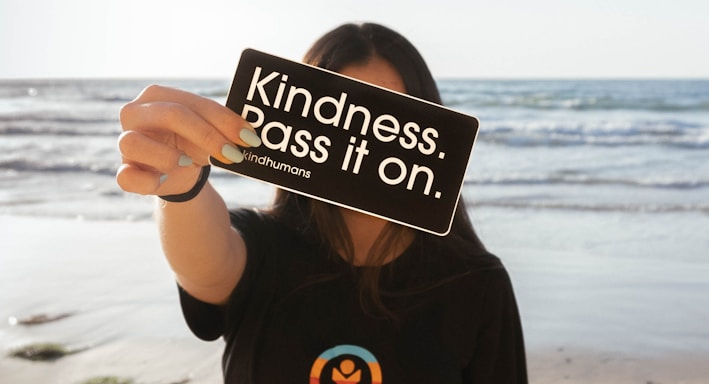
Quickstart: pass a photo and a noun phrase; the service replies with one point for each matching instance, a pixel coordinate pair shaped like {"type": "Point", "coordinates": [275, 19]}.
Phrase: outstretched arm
{"type": "Point", "coordinates": [167, 137]}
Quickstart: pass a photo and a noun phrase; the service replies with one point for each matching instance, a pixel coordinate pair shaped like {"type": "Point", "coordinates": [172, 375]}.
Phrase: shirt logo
{"type": "Point", "coordinates": [346, 364]}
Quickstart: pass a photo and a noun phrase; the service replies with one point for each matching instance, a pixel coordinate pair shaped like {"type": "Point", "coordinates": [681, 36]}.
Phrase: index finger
{"type": "Point", "coordinates": [186, 128]}
{"type": "Point", "coordinates": [226, 121]}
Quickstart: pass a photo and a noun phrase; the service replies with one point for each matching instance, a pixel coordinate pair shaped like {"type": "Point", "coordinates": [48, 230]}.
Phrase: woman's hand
{"type": "Point", "coordinates": [169, 134]}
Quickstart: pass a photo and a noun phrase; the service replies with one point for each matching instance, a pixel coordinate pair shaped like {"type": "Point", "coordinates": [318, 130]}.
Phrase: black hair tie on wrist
{"type": "Point", "coordinates": [189, 195]}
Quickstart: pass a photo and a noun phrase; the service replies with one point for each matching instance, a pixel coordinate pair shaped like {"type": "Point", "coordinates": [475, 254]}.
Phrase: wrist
{"type": "Point", "coordinates": [192, 193]}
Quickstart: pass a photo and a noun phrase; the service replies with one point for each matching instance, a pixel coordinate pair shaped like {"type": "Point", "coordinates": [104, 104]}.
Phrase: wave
{"type": "Point", "coordinates": [597, 207]}
{"type": "Point", "coordinates": [575, 179]}
{"type": "Point", "coordinates": [569, 179]}
{"type": "Point", "coordinates": [559, 141]}
{"type": "Point", "coordinates": [576, 95]}
{"type": "Point", "coordinates": [114, 98]}
{"type": "Point", "coordinates": [19, 165]}
{"type": "Point", "coordinates": [213, 92]}
{"type": "Point", "coordinates": [579, 95]}
{"type": "Point", "coordinates": [59, 123]}
{"type": "Point", "coordinates": [103, 90]}
{"type": "Point", "coordinates": [68, 130]}
{"type": "Point", "coordinates": [669, 132]}
{"type": "Point", "coordinates": [539, 131]}
{"type": "Point", "coordinates": [49, 117]}
{"type": "Point", "coordinates": [546, 102]}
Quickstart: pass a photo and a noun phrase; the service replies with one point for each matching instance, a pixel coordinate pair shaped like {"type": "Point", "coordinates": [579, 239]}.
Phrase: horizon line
{"type": "Point", "coordinates": [437, 78]}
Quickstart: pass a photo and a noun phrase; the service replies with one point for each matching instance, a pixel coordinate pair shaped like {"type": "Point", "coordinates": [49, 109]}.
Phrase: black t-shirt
{"type": "Point", "coordinates": [296, 316]}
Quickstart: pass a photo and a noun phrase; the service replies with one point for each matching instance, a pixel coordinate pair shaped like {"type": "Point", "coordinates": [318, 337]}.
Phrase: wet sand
{"type": "Point", "coordinates": [590, 314]}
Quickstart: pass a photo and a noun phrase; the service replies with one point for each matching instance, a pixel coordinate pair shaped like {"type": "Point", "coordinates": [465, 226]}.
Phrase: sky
{"type": "Point", "coordinates": [458, 38]}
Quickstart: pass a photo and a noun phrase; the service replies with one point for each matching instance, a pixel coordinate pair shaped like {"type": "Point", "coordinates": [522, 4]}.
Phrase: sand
{"type": "Point", "coordinates": [589, 315]}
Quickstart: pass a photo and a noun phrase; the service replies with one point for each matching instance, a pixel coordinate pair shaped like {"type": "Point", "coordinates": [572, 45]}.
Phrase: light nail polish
{"type": "Point", "coordinates": [163, 177]}
{"type": "Point", "coordinates": [184, 161]}
{"type": "Point", "coordinates": [249, 137]}
{"type": "Point", "coordinates": [232, 153]}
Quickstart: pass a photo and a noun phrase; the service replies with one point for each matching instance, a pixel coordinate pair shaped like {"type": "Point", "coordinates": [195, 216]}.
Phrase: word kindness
{"type": "Point", "coordinates": [350, 143]}
{"type": "Point", "coordinates": [329, 111]}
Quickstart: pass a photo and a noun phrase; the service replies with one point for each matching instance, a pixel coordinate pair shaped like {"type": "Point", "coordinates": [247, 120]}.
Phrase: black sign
{"type": "Point", "coordinates": [350, 143]}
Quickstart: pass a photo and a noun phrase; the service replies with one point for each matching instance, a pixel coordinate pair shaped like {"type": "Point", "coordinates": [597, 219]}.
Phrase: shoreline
{"type": "Point", "coordinates": [196, 362]}
{"type": "Point", "coordinates": [592, 313]}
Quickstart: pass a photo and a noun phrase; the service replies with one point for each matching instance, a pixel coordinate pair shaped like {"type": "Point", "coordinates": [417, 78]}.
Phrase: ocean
{"type": "Point", "coordinates": [594, 193]}
{"type": "Point", "coordinates": [586, 145]}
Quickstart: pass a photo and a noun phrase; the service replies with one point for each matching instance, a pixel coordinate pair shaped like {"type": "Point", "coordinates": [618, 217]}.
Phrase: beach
{"type": "Point", "coordinates": [589, 316]}
{"type": "Point", "coordinates": [110, 277]}
{"type": "Point", "coordinates": [594, 194]}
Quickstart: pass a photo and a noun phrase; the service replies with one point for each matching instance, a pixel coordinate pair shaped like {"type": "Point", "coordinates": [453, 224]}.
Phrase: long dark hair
{"type": "Point", "coordinates": [353, 44]}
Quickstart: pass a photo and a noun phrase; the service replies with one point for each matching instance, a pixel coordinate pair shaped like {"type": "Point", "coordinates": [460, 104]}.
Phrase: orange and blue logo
{"type": "Point", "coordinates": [346, 364]}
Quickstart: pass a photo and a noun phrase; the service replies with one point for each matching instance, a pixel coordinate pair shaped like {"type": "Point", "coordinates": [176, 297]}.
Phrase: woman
{"type": "Point", "coordinates": [310, 292]}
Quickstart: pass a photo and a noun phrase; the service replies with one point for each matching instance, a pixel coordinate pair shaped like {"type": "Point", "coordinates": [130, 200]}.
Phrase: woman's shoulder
{"type": "Point", "coordinates": [247, 217]}
{"type": "Point", "coordinates": [437, 262]}
{"type": "Point", "coordinates": [253, 222]}
{"type": "Point", "coordinates": [470, 268]}
{"type": "Point", "coordinates": [266, 234]}
{"type": "Point", "coordinates": [459, 254]}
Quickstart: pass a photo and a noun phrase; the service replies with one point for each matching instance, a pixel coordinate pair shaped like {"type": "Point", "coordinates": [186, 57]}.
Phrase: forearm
{"type": "Point", "coordinates": [207, 255]}
{"type": "Point", "coordinates": [167, 136]}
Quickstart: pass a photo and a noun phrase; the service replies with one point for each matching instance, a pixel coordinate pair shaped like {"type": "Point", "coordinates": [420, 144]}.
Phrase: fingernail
{"type": "Point", "coordinates": [232, 153]}
{"type": "Point", "coordinates": [184, 161]}
{"type": "Point", "coordinates": [163, 177]}
{"type": "Point", "coordinates": [250, 137]}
